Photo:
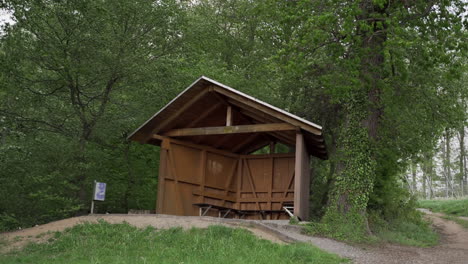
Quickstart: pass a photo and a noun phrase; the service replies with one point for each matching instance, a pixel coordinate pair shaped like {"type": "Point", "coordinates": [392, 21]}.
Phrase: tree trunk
{"type": "Point", "coordinates": [130, 176]}
{"type": "Point", "coordinates": [424, 179]}
{"type": "Point", "coordinates": [449, 169]}
{"type": "Point", "coordinates": [461, 134]}
{"type": "Point", "coordinates": [413, 180]}
{"type": "Point", "coordinates": [444, 165]}
{"type": "Point", "coordinates": [81, 177]}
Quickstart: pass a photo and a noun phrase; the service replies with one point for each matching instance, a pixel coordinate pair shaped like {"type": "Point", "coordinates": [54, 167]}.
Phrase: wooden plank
{"type": "Point", "coordinates": [265, 199]}
{"type": "Point", "coordinates": [272, 147]}
{"type": "Point", "coordinates": [266, 110]}
{"type": "Point", "coordinates": [228, 182]}
{"type": "Point", "coordinates": [198, 146]}
{"type": "Point", "coordinates": [207, 112]}
{"type": "Point", "coordinates": [288, 190]}
{"type": "Point", "coordinates": [270, 187]}
{"type": "Point", "coordinates": [176, 114]}
{"type": "Point", "coordinates": [179, 203]}
{"type": "Point", "coordinates": [239, 181]}
{"type": "Point", "coordinates": [229, 116]}
{"type": "Point", "coordinates": [302, 179]}
{"type": "Point", "coordinates": [203, 174]}
{"type": "Point", "coordinates": [262, 118]}
{"type": "Point", "coordinates": [252, 184]}
{"type": "Point", "coordinates": [262, 156]}
{"type": "Point", "coordinates": [161, 176]}
{"type": "Point", "coordinates": [215, 196]}
{"type": "Point", "coordinates": [223, 130]}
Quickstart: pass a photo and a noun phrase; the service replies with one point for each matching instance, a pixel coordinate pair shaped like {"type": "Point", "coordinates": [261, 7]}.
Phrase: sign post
{"type": "Point", "coordinates": [99, 193]}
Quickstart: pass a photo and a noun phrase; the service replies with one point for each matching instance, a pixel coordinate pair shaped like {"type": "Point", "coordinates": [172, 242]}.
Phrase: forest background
{"type": "Point", "coordinates": [386, 79]}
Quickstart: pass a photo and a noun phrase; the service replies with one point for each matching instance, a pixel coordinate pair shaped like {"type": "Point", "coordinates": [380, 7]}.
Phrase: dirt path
{"type": "Point", "coordinates": [453, 247]}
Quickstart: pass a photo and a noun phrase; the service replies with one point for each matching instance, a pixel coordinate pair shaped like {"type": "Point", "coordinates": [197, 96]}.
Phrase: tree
{"type": "Point", "coordinates": [71, 68]}
{"type": "Point", "coordinates": [384, 71]}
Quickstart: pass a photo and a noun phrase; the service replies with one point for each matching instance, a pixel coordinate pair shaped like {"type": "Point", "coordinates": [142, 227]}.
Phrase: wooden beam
{"type": "Point", "coordinates": [268, 111]}
{"type": "Point", "coordinates": [229, 116]}
{"type": "Point", "coordinates": [176, 114]}
{"type": "Point", "coordinates": [223, 130]}
{"type": "Point", "coordinates": [197, 146]}
{"type": "Point", "coordinates": [262, 118]}
{"type": "Point", "coordinates": [214, 195]}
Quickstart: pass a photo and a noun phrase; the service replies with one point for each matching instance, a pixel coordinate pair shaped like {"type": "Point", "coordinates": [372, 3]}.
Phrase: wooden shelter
{"type": "Point", "coordinates": [207, 136]}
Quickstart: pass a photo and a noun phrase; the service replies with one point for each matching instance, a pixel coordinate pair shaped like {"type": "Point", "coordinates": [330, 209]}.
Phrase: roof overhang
{"type": "Point", "coordinates": [203, 104]}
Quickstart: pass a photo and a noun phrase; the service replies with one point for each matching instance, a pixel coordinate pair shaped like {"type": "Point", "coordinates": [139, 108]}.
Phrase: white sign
{"type": "Point", "coordinates": [99, 191]}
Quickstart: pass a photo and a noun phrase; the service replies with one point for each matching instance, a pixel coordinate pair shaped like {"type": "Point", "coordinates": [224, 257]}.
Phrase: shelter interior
{"type": "Point", "coordinates": [210, 136]}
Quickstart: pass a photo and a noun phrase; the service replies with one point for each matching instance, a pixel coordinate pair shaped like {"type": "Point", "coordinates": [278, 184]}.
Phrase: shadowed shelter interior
{"type": "Point", "coordinates": [207, 135]}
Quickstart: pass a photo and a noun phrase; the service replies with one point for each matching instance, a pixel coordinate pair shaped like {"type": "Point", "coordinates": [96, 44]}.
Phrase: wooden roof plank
{"type": "Point", "coordinates": [223, 130]}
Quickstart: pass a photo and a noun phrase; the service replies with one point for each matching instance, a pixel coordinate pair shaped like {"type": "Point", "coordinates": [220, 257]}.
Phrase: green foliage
{"type": "Point", "coordinates": [409, 229]}
{"type": "Point", "coordinates": [383, 79]}
{"type": "Point", "coordinates": [349, 228]}
{"type": "Point", "coordinates": [122, 243]}
{"type": "Point", "coordinates": [293, 220]}
{"type": "Point", "coordinates": [451, 207]}
{"type": "Point", "coordinates": [8, 222]}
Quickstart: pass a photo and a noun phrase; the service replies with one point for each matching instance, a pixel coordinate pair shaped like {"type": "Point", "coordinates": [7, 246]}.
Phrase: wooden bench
{"type": "Point", "coordinates": [262, 213]}
{"type": "Point", "coordinates": [222, 211]}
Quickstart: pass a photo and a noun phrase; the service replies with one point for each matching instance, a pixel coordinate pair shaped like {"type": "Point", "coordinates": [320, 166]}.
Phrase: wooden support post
{"type": "Point", "coordinates": [272, 147]}
{"type": "Point", "coordinates": [229, 116]}
{"type": "Point", "coordinates": [301, 179]}
{"type": "Point", "coordinates": [239, 182]}
{"type": "Point", "coordinates": [203, 174]}
{"type": "Point", "coordinates": [162, 175]}
{"type": "Point", "coordinates": [270, 187]}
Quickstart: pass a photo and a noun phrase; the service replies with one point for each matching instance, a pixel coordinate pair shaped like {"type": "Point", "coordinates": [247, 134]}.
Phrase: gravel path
{"type": "Point", "coordinates": [453, 247]}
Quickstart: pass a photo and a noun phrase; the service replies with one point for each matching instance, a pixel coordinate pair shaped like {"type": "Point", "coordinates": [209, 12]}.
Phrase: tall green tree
{"type": "Point", "coordinates": [382, 71]}
{"type": "Point", "coordinates": [75, 74]}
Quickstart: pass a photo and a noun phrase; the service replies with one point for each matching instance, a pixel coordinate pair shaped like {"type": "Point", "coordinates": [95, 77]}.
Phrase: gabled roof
{"type": "Point", "coordinates": [204, 104]}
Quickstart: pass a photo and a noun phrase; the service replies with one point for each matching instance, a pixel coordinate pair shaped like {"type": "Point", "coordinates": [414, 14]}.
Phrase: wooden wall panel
{"type": "Point", "coordinates": [219, 169]}
{"type": "Point", "coordinates": [262, 180]}
{"type": "Point", "coordinates": [186, 160]}
{"type": "Point", "coordinates": [195, 174]}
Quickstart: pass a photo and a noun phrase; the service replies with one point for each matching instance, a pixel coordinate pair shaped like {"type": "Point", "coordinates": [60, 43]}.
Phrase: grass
{"type": "Point", "coordinates": [409, 234]}
{"type": "Point", "coordinates": [450, 207]}
{"type": "Point", "coordinates": [122, 243]}
{"type": "Point", "coordinates": [411, 230]}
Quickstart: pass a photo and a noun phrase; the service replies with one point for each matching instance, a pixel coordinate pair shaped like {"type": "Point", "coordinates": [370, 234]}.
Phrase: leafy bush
{"type": "Point", "coordinates": [8, 222]}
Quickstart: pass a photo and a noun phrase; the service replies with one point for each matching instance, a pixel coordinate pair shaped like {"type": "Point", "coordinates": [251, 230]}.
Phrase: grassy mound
{"type": "Point", "coordinates": [122, 243]}
{"type": "Point", "coordinates": [450, 207]}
